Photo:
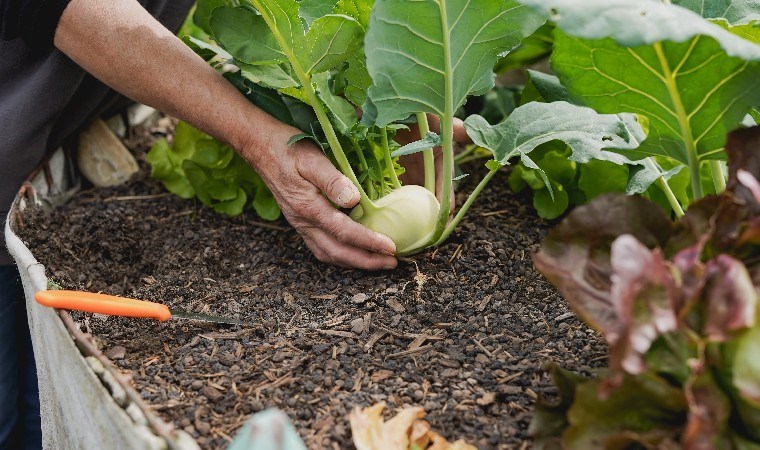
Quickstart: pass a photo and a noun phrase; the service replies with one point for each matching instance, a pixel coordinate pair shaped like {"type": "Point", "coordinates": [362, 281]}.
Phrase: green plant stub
{"type": "Point", "coordinates": [432, 65]}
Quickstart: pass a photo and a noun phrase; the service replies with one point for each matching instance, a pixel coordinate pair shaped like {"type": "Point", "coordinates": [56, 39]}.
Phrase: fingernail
{"type": "Point", "coordinates": [388, 268]}
{"type": "Point", "coordinates": [345, 195]}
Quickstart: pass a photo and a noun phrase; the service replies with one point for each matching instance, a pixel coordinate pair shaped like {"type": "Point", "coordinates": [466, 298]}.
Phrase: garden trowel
{"type": "Point", "coordinates": [120, 306]}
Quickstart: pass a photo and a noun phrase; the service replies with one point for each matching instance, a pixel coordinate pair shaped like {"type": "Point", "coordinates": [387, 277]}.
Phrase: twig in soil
{"type": "Point", "coordinates": [128, 198]}
{"type": "Point", "coordinates": [373, 340]}
{"type": "Point", "coordinates": [345, 334]}
{"type": "Point", "coordinates": [411, 352]}
{"type": "Point", "coordinates": [480, 346]}
{"type": "Point", "coordinates": [456, 253]}
{"type": "Point", "coordinates": [493, 213]}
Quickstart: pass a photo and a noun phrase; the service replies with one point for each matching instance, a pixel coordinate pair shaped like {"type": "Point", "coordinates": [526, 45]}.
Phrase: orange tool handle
{"type": "Point", "coordinates": [103, 304]}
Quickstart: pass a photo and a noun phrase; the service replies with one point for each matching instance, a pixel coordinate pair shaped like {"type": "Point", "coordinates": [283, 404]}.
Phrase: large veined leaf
{"type": "Point", "coordinates": [332, 39]}
{"type": "Point", "coordinates": [587, 132]}
{"type": "Point", "coordinates": [311, 10]}
{"type": "Point", "coordinates": [692, 79]}
{"type": "Point", "coordinates": [735, 11]}
{"type": "Point", "coordinates": [245, 35]}
{"type": "Point", "coordinates": [358, 9]}
{"type": "Point", "coordinates": [432, 65]}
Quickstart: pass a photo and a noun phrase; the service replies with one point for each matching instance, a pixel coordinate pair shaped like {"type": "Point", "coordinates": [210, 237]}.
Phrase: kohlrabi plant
{"type": "Point", "coordinates": [316, 63]}
{"type": "Point", "coordinates": [689, 69]}
{"type": "Point", "coordinates": [678, 305]}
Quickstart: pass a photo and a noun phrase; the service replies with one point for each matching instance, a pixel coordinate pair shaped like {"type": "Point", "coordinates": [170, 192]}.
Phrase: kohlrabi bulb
{"type": "Point", "coordinates": [407, 216]}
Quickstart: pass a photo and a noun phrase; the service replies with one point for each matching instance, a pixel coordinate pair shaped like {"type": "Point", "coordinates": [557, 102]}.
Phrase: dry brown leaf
{"type": "Point", "coordinates": [371, 432]}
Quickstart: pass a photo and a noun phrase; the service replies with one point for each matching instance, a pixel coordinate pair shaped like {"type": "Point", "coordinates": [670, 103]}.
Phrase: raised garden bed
{"type": "Point", "coordinates": [461, 330]}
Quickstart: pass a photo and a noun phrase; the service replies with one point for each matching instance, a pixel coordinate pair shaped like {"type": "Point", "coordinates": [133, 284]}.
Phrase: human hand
{"type": "Point", "coordinates": [298, 176]}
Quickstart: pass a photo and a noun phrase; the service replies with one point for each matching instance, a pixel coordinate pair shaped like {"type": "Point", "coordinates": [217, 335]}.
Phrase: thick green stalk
{"type": "Point", "coordinates": [428, 157]}
{"type": "Point", "coordinates": [463, 211]}
{"type": "Point", "coordinates": [719, 179]}
{"type": "Point", "coordinates": [683, 122]}
{"type": "Point", "coordinates": [662, 183]}
{"type": "Point", "coordinates": [447, 131]}
{"type": "Point", "coordinates": [319, 110]}
{"type": "Point", "coordinates": [389, 161]}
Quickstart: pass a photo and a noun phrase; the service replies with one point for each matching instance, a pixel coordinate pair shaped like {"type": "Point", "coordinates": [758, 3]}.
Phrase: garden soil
{"type": "Point", "coordinates": [461, 330]}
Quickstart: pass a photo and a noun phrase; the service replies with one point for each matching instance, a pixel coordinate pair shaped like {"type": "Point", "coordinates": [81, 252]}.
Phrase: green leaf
{"type": "Point", "coordinates": [432, 65]}
{"type": "Point", "coordinates": [551, 206]}
{"type": "Point", "coordinates": [311, 10]}
{"type": "Point", "coordinates": [342, 113]}
{"type": "Point", "coordinates": [558, 167]}
{"type": "Point", "coordinates": [693, 80]}
{"type": "Point", "coordinates": [585, 131]}
{"type": "Point", "coordinates": [357, 79]}
{"type": "Point", "coordinates": [644, 409]}
{"type": "Point", "coordinates": [185, 137]}
{"type": "Point", "coordinates": [212, 154]}
{"type": "Point", "coordinates": [601, 177]}
{"type": "Point", "coordinates": [233, 207]}
{"type": "Point", "coordinates": [197, 176]}
{"type": "Point", "coordinates": [245, 35]}
{"type": "Point", "coordinates": [332, 40]}
{"type": "Point", "coordinates": [202, 14]}
{"type": "Point", "coordinates": [499, 103]}
{"type": "Point", "coordinates": [274, 76]}
{"type": "Point", "coordinates": [543, 87]}
{"type": "Point", "coordinates": [158, 158]}
{"type": "Point", "coordinates": [206, 50]}
{"type": "Point", "coordinates": [431, 140]}
{"type": "Point", "coordinates": [746, 369]}
{"type": "Point", "coordinates": [531, 50]}
{"type": "Point", "coordinates": [640, 178]}
{"type": "Point", "coordinates": [282, 18]}
{"type": "Point", "coordinates": [265, 205]}
{"type": "Point", "coordinates": [550, 419]}
{"type": "Point", "coordinates": [358, 9]}
{"type": "Point", "coordinates": [735, 11]}
{"type": "Point", "coordinates": [267, 99]}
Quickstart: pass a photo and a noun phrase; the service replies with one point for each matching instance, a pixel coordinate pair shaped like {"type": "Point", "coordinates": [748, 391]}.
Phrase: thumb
{"type": "Point", "coordinates": [320, 172]}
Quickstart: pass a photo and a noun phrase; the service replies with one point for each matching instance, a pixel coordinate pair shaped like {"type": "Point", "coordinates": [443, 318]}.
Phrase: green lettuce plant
{"type": "Point", "coordinates": [678, 305]}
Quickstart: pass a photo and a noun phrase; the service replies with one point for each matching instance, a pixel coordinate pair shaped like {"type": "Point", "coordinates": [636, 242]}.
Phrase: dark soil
{"type": "Point", "coordinates": [461, 330]}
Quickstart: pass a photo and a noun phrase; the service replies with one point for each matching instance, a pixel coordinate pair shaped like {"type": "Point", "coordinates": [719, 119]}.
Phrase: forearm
{"type": "Point", "coordinates": [122, 45]}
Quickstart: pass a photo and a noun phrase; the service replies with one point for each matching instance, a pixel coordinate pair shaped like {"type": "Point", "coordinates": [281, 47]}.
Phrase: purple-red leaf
{"type": "Point", "coordinates": [730, 298]}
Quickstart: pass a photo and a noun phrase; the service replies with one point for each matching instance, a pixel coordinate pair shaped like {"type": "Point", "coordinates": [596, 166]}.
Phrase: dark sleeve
{"type": "Point", "coordinates": [34, 21]}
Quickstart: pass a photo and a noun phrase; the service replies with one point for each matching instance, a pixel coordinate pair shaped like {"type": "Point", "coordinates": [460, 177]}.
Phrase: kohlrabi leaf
{"type": "Point", "coordinates": [583, 129]}
{"type": "Point", "coordinates": [531, 50]}
{"type": "Point", "coordinates": [246, 36]}
{"type": "Point", "coordinates": [551, 203]}
{"type": "Point", "coordinates": [342, 113]}
{"type": "Point", "coordinates": [692, 79]}
{"type": "Point", "coordinates": [432, 65]}
{"type": "Point", "coordinates": [311, 10]}
{"type": "Point", "coordinates": [358, 9]}
{"type": "Point", "coordinates": [641, 177]}
{"type": "Point", "coordinates": [431, 140]}
{"type": "Point", "coordinates": [282, 19]}
{"type": "Point", "coordinates": [332, 40]}
{"type": "Point", "coordinates": [735, 11]}
{"type": "Point", "coordinates": [274, 76]}
{"type": "Point", "coordinates": [499, 103]}
{"type": "Point", "coordinates": [544, 88]}
{"type": "Point", "coordinates": [357, 79]}
{"type": "Point", "coordinates": [206, 50]}
{"type": "Point", "coordinates": [267, 99]}
{"type": "Point", "coordinates": [601, 177]}
{"type": "Point", "coordinates": [202, 13]}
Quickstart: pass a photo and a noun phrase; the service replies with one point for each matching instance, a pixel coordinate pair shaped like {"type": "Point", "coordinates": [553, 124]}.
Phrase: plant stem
{"type": "Point", "coordinates": [319, 109]}
{"type": "Point", "coordinates": [683, 123]}
{"type": "Point", "coordinates": [447, 130]}
{"type": "Point", "coordinates": [462, 211]}
{"type": "Point", "coordinates": [468, 151]}
{"type": "Point", "coordinates": [427, 155]}
{"type": "Point", "coordinates": [719, 179]}
{"type": "Point", "coordinates": [389, 161]}
{"type": "Point", "coordinates": [662, 183]}
{"type": "Point", "coordinates": [363, 161]}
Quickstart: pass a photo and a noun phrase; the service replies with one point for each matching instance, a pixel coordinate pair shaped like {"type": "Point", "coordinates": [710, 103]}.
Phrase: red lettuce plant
{"type": "Point", "coordinates": [678, 305]}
